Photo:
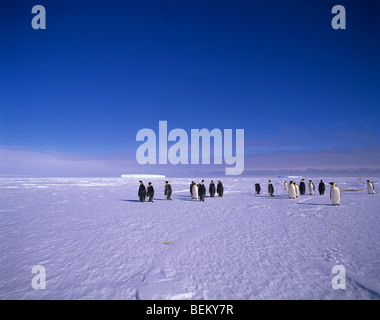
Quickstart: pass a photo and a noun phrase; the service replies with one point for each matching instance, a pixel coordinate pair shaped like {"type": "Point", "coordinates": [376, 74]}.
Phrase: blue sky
{"type": "Point", "coordinates": [102, 70]}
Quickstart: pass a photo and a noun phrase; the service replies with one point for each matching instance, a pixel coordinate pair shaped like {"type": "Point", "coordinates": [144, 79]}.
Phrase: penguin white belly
{"type": "Point", "coordinates": [297, 191]}
{"type": "Point", "coordinates": [195, 192]}
{"type": "Point", "coordinates": [285, 185]}
{"type": "Point", "coordinates": [335, 195]}
{"type": "Point", "coordinates": [292, 191]}
{"type": "Point", "coordinates": [371, 189]}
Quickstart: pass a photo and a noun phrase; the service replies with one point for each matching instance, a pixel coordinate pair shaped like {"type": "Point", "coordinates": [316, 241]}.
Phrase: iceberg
{"type": "Point", "coordinates": [143, 176]}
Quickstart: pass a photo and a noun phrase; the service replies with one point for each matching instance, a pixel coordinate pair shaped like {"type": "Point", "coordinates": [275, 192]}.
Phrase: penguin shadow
{"type": "Point", "coordinates": [186, 198]}
{"type": "Point", "coordinates": [129, 200]}
{"type": "Point", "coordinates": [268, 197]}
{"type": "Point", "coordinates": [316, 204]}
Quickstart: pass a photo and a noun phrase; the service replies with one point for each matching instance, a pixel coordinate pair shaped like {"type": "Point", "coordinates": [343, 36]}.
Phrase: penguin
{"type": "Point", "coordinates": [297, 190]}
{"type": "Point", "coordinates": [270, 189]}
{"type": "Point", "coordinates": [142, 192]}
{"type": "Point", "coordinates": [195, 191]}
{"type": "Point", "coordinates": [220, 189]}
{"type": "Point", "coordinates": [334, 194]}
{"type": "Point", "coordinates": [292, 190]}
{"type": "Point", "coordinates": [150, 192]}
{"type": "Point", "coordinates": [168, 191]}
{"type": "Point", "coordinates": [311, 187]}
{"type": "Point", "coordinates": [202, 191]}
{"type": "Point", "coordinates": [321, 188]}
{"type": "Point", "coordinates": [370, 187]}
{"type": "Point", "coordinates": [191, 188]}
{"type": "Point", "coordinates": [285, 185]}
{"type": "Point", "coordinates": [302, 187]}
{"type": "Point", "coordinates": [257, 188]}
{"type": "Point", "coordinates": [211, 189]}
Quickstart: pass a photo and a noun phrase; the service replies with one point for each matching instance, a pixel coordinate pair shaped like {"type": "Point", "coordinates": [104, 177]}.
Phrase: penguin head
{"type": "Point", "coordinates": [332, 183]}
{"type": "Point", "coordinates": [140, 182]}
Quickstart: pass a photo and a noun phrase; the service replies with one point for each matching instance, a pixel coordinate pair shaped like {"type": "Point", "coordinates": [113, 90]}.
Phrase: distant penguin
{"type": "Point", "coordinates": [142, 192]}
{"type": "Point", "coordinates": [292, 190]}
{"type": "Point", "coordinates": [297, 190]}
{"type": "Point", "coordinates": [195, 191]}
{"type": "Point", "coordinates": [370, 187]}
{"type": "Point", "coordinates": [311, 187]}
{"type": "Point", "coordinates": [302, 187]}
{"type": "Point", "coordinates": [285, 185]}
{"type": "Point", "coordinates": [202, 191]}
{"type": "Point", "coordinates": [270, 189]}
{"type": "Point", "coordinates": [191, 188]}
{"type": "Point", "coordinates": [321, 188]}
{"type": "Point", "coordinates": [334, 194]}
{"type": "Point", "coordinates": [150, 192]}
{"type": "Point", "coordinates": [211, 189]}
{"type": "Point", "coordinates": [168, 191]}
{"type": "Point", "coordinates": [257, 188]}
{"type": "Point", "coordinates": [220, 189]}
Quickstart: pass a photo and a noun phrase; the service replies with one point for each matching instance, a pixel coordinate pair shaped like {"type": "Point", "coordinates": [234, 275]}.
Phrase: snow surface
{"type": "Point", "coordinates": [96, 241]}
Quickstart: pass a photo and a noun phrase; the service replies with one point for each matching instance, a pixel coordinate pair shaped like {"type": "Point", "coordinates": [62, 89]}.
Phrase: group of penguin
{"type": "Point", "coordinates": [295, 190]}
{"type": "Point", "coordinates": [197, 191]}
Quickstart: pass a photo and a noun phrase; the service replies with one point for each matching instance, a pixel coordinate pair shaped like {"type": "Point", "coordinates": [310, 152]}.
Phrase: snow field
{"type": "Point", "coordinates": [96, 241]}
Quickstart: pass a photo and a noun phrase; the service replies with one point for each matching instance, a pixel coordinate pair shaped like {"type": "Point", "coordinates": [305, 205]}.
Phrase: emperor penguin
{"type": "Point", "coordinates": [370, 187]}
{"type": "Point", "coordinates": [285, 185]}
{"type": "Point", "coordinates": [297, 189]}
{"type": "Point", "coordinates": [202, 191]}
{"type": "Point", "coordinates": [302, 187]}
{"type": "Point", "coordinates": [334, 194]}
{"type": "Point", "coordinates": [195, 191]}
{"type": "Point", "coordinates": [321, 188]}
{"type": "Point", "coordinates": [311, 187]}
{"type": "Point", "coordinates": [270, 189]}
{"type": "Point", "coordinates": [292, 190]}
{"type": "Point", "coordinates": [257, 188]}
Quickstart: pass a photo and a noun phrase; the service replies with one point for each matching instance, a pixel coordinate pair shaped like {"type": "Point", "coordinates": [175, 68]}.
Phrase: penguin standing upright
{"type": "Point", "coordinates": [195, 191]}
{"type": "Point", "coordinates": [311, 187]}
{"type": "Point", "coordinates": [370, 187]}
{"type": "Point", "coordinates": [220, 189]}
{"type": "Point", "coordinates": [202, 191]}
{"type": "Point", "coordinates": [302, 187]}
{"type": "Point", "coordinates": [285, 185]}
{"type": "Point", "coordinates": [150, 192]}
{"type": "Point", "coordinates": [211, 189]}
{"type": "Point", "coordinates": [168, 191]}
{"type": "Point", "coordinates": [142, 192]}
{"type": "Point", "coordinates": [334, 194]}
{"type": "Point", "coordinates": [297, 189]}
{"type": "Point", "coordinates": [270, 189]}
{"type": "Point", "coordinates": [257, 188]}
{"type": "Point", "coordinates": [321, 188]}
{"type": "Point", "coordinates": [191, 188]}
{"type": "Point", "coordinates": [292, 190]}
